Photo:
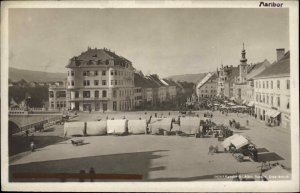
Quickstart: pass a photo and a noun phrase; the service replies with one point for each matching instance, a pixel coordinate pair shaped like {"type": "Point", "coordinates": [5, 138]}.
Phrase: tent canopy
{"type": "Point", "coordinates": [239, 141]}
{"type": "Point", "coordinates": [189, 125]}
{"type": "Point", "coordinates": [96, 127]}
{"type": "Point", "coordinates": [137, 126]}
{"type": "Point", "coordinates": [226, 143]}
{"type": "Point", "coordinates": [74, 128]}
{"type": "Point", "coordinates": [116, 126]}
{"type": "Point", "coordinates": [160, 124]}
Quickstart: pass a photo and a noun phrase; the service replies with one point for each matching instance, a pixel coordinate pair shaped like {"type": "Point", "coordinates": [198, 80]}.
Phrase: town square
{"type": "Point", "coordinates": [148, 95]}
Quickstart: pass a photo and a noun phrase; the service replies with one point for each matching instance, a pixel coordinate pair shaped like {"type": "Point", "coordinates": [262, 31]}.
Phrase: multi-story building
{"type": "Point", "coordinates": [58, 96]}
{"type": "Point", "coordinates": [226, 76]}
{"type": "Point", "coordinates": [171, 89]}
{"type": "Point", "coordinates": [99, 80]}
{"type": "Point", "coordinates": [207, 87]}
{"type": "Point", "coordinates": [272, 91]}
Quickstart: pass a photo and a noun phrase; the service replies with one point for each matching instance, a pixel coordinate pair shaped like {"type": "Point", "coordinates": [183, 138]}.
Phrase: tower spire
{"type": "Point", "coordinates": [243, 59]}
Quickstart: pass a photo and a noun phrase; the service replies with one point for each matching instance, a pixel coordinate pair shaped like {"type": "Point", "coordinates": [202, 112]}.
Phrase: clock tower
{"type": "Point", "coordinates": [243, 66]}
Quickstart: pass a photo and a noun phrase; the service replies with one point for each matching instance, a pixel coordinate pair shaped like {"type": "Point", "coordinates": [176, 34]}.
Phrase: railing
{"type": "Point", "coordinates": [23, 111]}
{"type": "Point", "coordinates": [88, 99]}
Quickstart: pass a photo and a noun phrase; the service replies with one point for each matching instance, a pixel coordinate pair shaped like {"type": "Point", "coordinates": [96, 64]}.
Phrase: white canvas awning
{"type": "Point", "coordinates": [226, 143]}
{"type": "Point", "coordinates": [232, 98]}
{"type": "Point", "coordinates": [231, 104]}
{"type": "Point", "coordinates": [160, 123]}
{"type": "Point", "coordinates": [189, 125]}
{"type": "Point", "coordinates": [250, 104]}
{"type": "Point", "coordinates": [275, 114]}
{"type": "Point", "coordinates": [96, 127]}
{"type": "Point", "coordinates": [73, 128]}
{"type": "Point", "coordinates": [137, 126]}
{"type": "Point", "coordinates": [116, 126]}
{"type": "Point", "coordinates": [239, 141]}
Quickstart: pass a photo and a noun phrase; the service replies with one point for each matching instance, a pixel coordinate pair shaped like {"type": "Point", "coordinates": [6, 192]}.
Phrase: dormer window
{"type": "Point", "coordinates": [90, 62]}
{"type": "Point", "coordinates": [99, 62]}
{"type": "Point", "coordinates": [106, 62]}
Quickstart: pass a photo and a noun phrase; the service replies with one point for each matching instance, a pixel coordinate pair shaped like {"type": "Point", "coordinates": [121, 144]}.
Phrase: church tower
{"type": "Point", "coordinates": [243, 66]}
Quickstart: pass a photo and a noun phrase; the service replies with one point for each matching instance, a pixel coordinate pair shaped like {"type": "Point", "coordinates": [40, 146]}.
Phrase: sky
{"type": "Point", "coordinates": [162, 41]}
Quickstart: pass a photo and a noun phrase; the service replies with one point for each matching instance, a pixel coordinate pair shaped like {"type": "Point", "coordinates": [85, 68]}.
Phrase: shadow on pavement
{"type": "Point", "coordinates": [19, 144]}
{"type": "Point", "coordinates": [262, 150]}
{"type": "Point", "coordinates": [126, 163]}
{"type": "Point", "coordinates": [269, 157]}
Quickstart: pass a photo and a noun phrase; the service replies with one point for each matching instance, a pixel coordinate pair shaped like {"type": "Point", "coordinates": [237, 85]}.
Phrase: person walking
{"type": "Point", "coordinates": [32, 146]}
{"type": "Point", "coordinates": [92, 174]}
{"type": "Point", "coordinates": [247, 122]}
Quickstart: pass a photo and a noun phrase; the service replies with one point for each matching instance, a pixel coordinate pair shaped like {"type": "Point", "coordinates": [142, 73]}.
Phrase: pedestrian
{"type": "Point", "coordinates": [247, 122]}
{"type": "Point", "coordinates": [32, 146]}
{"type": "Point", "coordinates": [92, 174]}
{"type": "Point", "coordinates": [210, 150]}
{"type": "Point", "coordinates": [230, 123]}
{"type": "Point", "coordinates": [169, 113]}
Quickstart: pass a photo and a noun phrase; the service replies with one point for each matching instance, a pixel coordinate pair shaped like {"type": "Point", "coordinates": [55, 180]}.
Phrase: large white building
{"type": "Point", "coordinates": [99, 80]}
{"type": "Point", "coordinates": [272, 92]}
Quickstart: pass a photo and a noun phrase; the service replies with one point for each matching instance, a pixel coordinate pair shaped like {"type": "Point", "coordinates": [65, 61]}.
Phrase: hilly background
{"type": "Point", "coordinates": [36, 76]}
{"type": "Point", "coordinates": [39, 76]}
{"type": "Point", "coordinates": [194, 78]}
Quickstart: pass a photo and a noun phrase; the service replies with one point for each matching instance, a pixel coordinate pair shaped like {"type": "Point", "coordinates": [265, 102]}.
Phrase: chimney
{"type": "Point", "coordinates": [280, 53]}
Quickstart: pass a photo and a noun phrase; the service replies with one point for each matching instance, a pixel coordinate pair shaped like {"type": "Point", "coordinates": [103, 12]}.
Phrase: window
{"type": "Point", "coordinates": [271, 84]}
{"type": "Point", "coordinates": [96, 73]}
{"type": "Point", "coordinates": [111, 82]}
{"type": "Point", "coordinates": [86, 94]}
{"type": "Point", "coordinates": [84, 73]}
{"type": "Point", "coordinates": [106, 62]}
{"type": "Point", "coordinates": [278, 84]}
{"type": "Point", "coordinates": [114, 94]}
{"type": "Point", "coordinates": [267, 84]}
{"type": "Point", "coordinates": [72, 73]}
{"type": "Point", "coordinates": [104, 93]}
{"type": "Point", "coordinates": [103, 82]}
{"type": "Point", "coordinates": [72, 82]}
{"type": "Point", "coordinates": [68, 73]}
{"type": "Point", "coordinates": [271, 101]}
{"type": "Point", "coordinates": [259, 84]}
{"type": "Point", "coordinates": [51, 94]}
{"type": "Point", "coordinates": [61, 94]}
{"type": "Point", "coordinates": [288, 104]}
{"type": "Point", "coordinates": [263, 84]}
{"type": "Point", "coordinates": [267, 99]}
{"type": "Point", "coordinates": [288, 84]}
{"type": "Point", "coordinates": [263, 98]}
{"type": "Point", "coordinates": [87, 73]}
{"type": "Point", "coordinates": [76, 94]}
{"type": "Point", "coordinates": [116, 72]}
{"type": "Point", "coordinates": [278, 101]}
{"type": "Point", "coordinates": [96, 94]}
{"type": "Point", "coordinates": [52, 104]}
{"type": "Point", "coordinates": [112, 72]}
{"type": "Point", "coordinates": [86, 83]}
{"type": "Point", "coordinates": [116, 82]}
{"type": "Point", "coordinates": [96, 82]}
{"type": "Point", "coordinates": [103, 72]}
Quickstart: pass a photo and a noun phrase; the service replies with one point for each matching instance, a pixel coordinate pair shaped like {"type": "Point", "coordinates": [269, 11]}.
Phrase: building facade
{"type": "Point", "coordinates": [99, 80]}
{"type": "Point", "coordinates": [272, 92]}
{"type": "Point", "coordinates": [207, 87]}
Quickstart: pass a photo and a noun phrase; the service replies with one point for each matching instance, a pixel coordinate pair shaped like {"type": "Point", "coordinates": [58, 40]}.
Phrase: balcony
{"type": "Point", "coordinates": [90, 99]}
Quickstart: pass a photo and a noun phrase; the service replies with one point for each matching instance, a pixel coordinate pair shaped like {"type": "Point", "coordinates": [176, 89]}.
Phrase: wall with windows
{"type": "Point", "coordinates": [273, 93]}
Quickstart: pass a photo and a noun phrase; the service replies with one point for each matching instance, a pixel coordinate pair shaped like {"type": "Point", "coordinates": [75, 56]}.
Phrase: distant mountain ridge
{"type": "Point", "coordinates": [35, 76]}
{"type": "Point", "coordinates": [194, 78]}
